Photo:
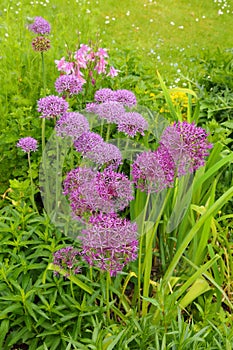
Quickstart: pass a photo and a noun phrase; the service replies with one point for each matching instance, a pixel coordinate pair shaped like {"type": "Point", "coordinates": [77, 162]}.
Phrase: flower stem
{"type": "Point", "coordinates": [32, 185]}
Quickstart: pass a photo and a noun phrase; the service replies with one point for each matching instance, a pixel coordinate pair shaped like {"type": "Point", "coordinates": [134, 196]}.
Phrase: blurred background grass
{"type": "Point", "coordinates": [167, 34]}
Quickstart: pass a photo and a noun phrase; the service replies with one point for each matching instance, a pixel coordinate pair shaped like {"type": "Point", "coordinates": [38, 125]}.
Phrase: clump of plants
{"type": "Point", "coordinates": [116, 239]}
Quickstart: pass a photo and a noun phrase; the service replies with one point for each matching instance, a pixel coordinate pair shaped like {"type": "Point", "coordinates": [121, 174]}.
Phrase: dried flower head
{"type": "Point", "coordinates": [40, 26]}
{"type": "Point", "coordinates": [27, 144]}
{"type": "Point", "coordinates": [52, 106]}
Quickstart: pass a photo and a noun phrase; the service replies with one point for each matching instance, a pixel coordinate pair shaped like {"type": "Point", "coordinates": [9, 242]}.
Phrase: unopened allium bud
{"type": "Point", "coordinates": [41, 44]}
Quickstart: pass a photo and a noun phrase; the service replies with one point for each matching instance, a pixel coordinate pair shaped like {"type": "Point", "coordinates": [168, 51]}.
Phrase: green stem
{"type": "Point", "coordinates": [141, 232]}
{"type": "Point", "coordinates": [32, 184]}
{"type": "Point", "coordinates": [108, 282]}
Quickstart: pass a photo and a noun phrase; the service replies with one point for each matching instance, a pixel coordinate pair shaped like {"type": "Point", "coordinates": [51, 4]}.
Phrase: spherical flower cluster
{"type": "Point", "coordinates": [115, 188]}
{"type": "Point", "coordinates": [67, 257]}
{"type": "Point", "coordinates": [153, 171]}
{"type": "Point", "coordinates": [126, 97]}
{"type": "Point", "coordinates": [40, 26]}
{"type": "Point", "coordinates": [109, 242]}
{"type": "Point", "coordinates": [105, 154]}
{"type": "Point", "coordinates": [27, 144]}
{"type": "Point", "coordinates": [72, 124]}
{"type": "Point", "coordinates": [68, 83]}
{"type": "Point", "coordinates": [93, 147]}
{"type": "Point", "coordinates": [90, 191]}
{"type": "Point", "coordinates": [132, 123]}
{"type": "Point", "coordinates": [123, 96]}
{"type": "Point", "coordinates": [52, 106]}
{"type": "Point", "coordinates": [87, 142]}
{"type": "Point", "coordinates": [187, 145]}
{"type": "Point", "coordinates": [41, 44]}
{"type": "Point", "coordinates": [111, 111]}
{"type": "Point", "coordinates": [104, 95]}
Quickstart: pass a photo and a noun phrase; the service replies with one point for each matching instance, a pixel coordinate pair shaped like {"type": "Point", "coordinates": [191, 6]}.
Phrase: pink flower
{"type": "Point", "coordinates": [113, 72]}
{"type": "Point", "coordinates": [63, 65]}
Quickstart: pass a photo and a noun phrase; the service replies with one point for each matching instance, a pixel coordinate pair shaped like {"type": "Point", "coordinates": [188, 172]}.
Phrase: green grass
{"type": "Point", "coordinates": [171, 30]}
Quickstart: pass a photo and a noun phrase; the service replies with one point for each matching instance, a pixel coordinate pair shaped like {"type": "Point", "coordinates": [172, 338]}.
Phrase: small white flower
{"type": "Point", "coordinates": [172, 23]}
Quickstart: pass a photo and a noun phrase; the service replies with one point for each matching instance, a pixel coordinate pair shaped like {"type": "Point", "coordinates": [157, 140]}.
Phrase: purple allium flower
{"type": "Point", "coordinates": [105, 154]}
{"type": "Point", "coordinates": [67, 258]}
{"type": "Point", "coordinates": [41, 44]}
{"type": "Point", "coordinates": [79, 185]}
{"type": "Point", "coordinates": [109, 242]}
{"type": "Point", "coordinates": [72, 124]}
{"type": "Point", "coordinates": [111, 111]}
{"type": "Point", "coordinates": [104, 95]}
{"type": "Point", "coordinates": [52, 106]}
{"type": "Point", "coordinates": [87, 142]}
{"type": "Point", "coordinates": [153, 171]}
{"type": "Point", "coordinates": [126, 97]}
{"type": "Point", "coordinates": [40, 26]}
{"type": "Point", "coordinates": [90, 191]}
{"type": "Point", "coordinates": [92, 107]}
{"type": "Point", "coordinates": [68, 84]}
{"type": "Point", "coordinates": [115, 188]}
{"type": "Point", "coordinates": [27, 144]}
{"type": "Point", "coordinates": [132, 122]}
{"type": "Point", "coordinates": [187, 145]}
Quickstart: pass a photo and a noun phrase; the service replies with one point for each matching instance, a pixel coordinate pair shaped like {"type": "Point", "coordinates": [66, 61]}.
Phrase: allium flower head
{"type": "Point", "coordinates": [104, 95]}
{"type": "Point", "coordinates": [90, 191]}
{"type": "Point", "coordinates": [67, 258]}
{"type": "Point", "coordinates": [105, 154]}
{"type": "Point", "coordinates": [27, 144]}
{"type": "Point", "coordinates": [52, 106]}
{"type": "Point", "coordinates": [92, 107]}
{"type": "Point", "coordinates": [109, 242]}
{"type": "Point", "coordinates": [115, 188]}
{"type": "Point", "coordinates": [72, 124]}
{"type": "Point", "coordinates": [132, 123]}
{"type": "Point", "coordinates": [111, 111]}
{"type": "Point", "coordinates": [41, 44]}
{"type": "Point", "coordinates": [87, 142]}
{"type": "Point", "coordinates": [68, 83]}
{"type": "Point", "coordinates": [40, 26]}
{"type": "Point", "coordinates": [126, 97]}
{"type": "Point", "coordinates": [187, 145]}
{"type": "Point", "coordinates": [153, 171]}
